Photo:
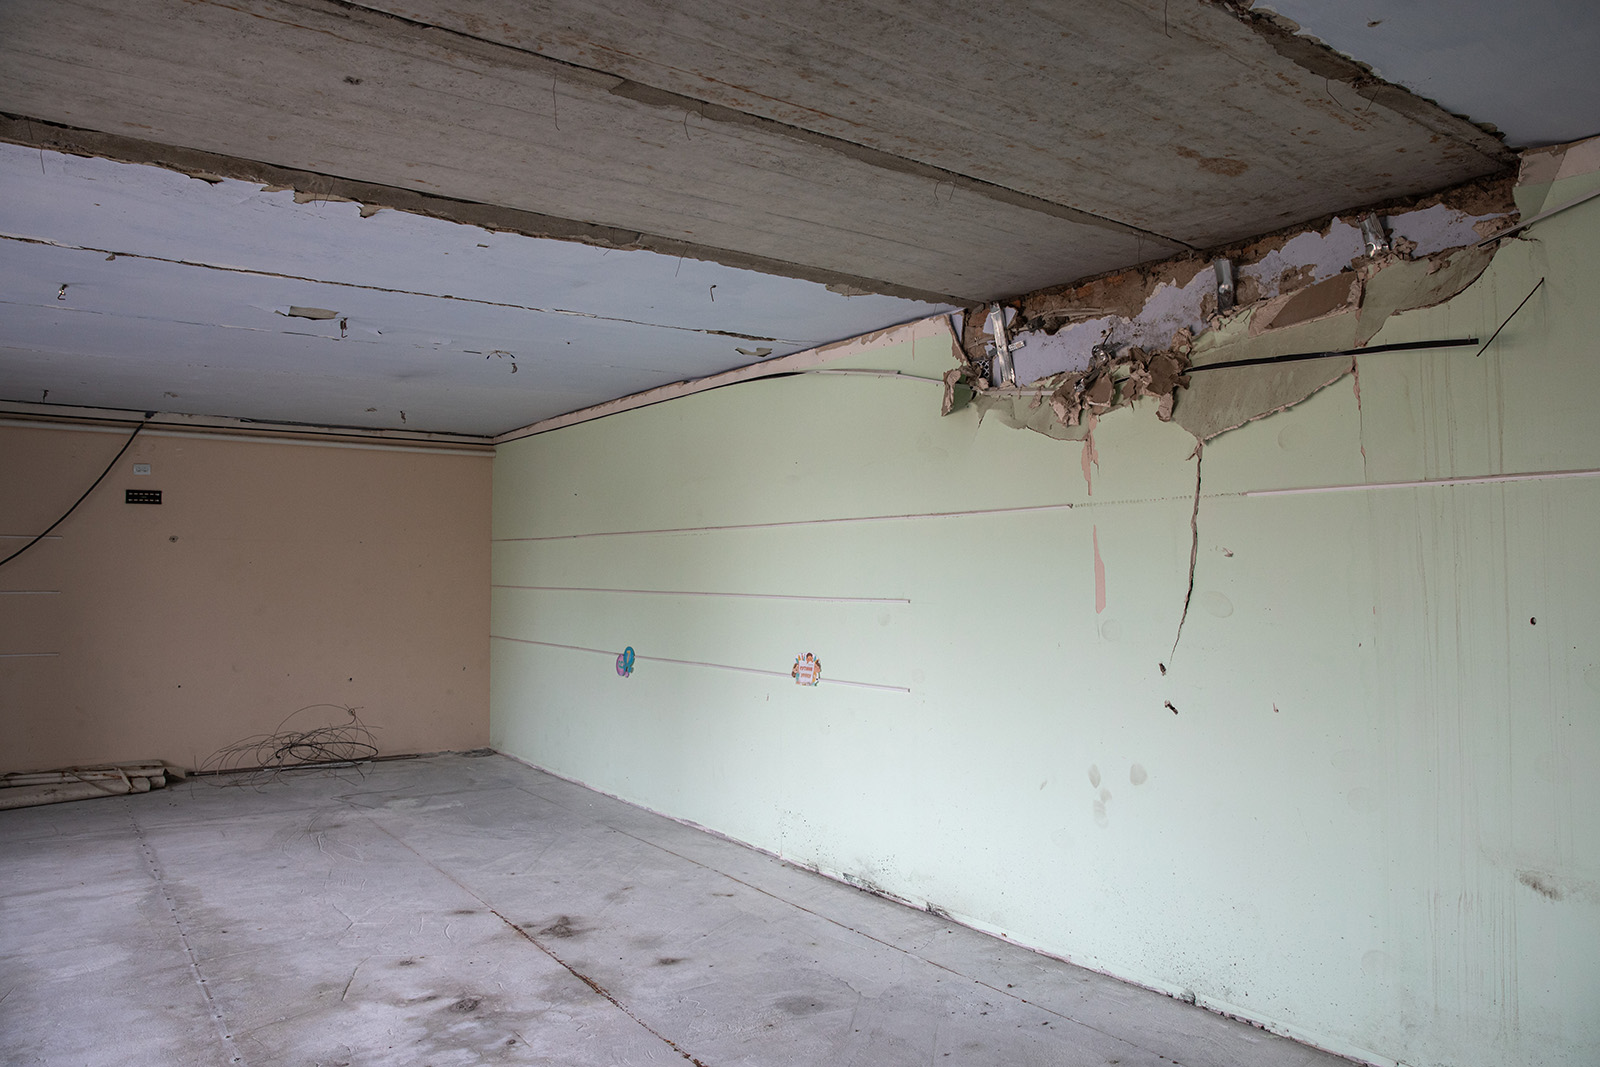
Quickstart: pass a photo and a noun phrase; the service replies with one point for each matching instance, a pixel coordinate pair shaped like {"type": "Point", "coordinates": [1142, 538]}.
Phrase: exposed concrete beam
{"type": "Point", "coordinates": [679, 104]}
{"type": "Point", "coordinates": [933, 150]}
{"type": "Point", "coordinates": [1109, 109]}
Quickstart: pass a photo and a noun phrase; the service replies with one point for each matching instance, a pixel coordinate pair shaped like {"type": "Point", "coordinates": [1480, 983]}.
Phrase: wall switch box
{"type": "Point", "coordinates": [142, 496]}
{"type": "Point", "coordinates": [141, 468]}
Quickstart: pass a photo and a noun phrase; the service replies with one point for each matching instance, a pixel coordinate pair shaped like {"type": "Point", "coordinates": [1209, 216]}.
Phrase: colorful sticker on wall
{"type": "Point", "coordinates": [625, 662]}
{"type": "Point", "coordinates": [807, 669]}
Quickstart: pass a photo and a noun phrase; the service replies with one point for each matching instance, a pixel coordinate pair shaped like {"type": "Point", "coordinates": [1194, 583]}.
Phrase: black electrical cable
{"type": "Point", "coordinates": [80, 500]}
{"type": "Point", "coordinates": [1509, 317]}
{"type": "Point", "coordinates": [1299, 357]}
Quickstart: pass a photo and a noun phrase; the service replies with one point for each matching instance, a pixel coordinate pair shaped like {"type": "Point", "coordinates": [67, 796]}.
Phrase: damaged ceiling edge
{"type": "Point", "coordinates": [1284, 36]}
{"type": "Point", "coordinates": [1139, 332]}
{"type": "Point", "coordinates": [1487, 195]}
{"type": "Point", "coordinates": [312, 186]}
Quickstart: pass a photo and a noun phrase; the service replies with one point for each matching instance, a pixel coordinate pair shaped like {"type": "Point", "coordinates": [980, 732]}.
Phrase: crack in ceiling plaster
{"type": "Point", "coordinates": [398, 292]}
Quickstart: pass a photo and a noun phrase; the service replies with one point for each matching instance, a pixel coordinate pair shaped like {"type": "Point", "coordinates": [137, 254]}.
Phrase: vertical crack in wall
{"type": "Point", "coordinates": [1194, 552]}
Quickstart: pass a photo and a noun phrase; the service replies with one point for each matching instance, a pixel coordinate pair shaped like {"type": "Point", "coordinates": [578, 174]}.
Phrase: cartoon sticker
{"type": "Point", "coordinates": [625, 662]}
{"type": "Point", "coordinates": [807, 669]}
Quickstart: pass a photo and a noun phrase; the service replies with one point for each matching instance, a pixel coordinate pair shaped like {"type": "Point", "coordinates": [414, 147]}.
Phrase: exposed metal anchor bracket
{"type": "Point", "coordinates": [1001, 369]}
{"type": "Point", "coordinates": [1373, 234]}
{"type": "Point", "coordinates": [1226, 292]}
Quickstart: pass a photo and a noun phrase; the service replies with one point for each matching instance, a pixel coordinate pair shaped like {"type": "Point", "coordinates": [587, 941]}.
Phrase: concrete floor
{"type": "Point", "coordinates": [461, 910]}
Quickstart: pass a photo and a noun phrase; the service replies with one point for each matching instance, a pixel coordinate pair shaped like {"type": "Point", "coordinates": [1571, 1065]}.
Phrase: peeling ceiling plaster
{"type": "Point", "coordinates": [178, 293]}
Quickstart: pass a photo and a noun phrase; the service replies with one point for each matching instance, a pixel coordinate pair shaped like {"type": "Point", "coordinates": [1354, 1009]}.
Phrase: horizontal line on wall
{"type": "Point", "coordinates": [700, 663]}
{"type": "Point", "coordinates": [284, 437]}
{"type": "Point", "coordinates": [1034, 508]}
{"type": "Point", "coordinates": [1470, 479]}
{"type": "Point", "coordinates": [27, 655]}
{"type": "Point", "coordinates": [688, 592]}
{"type": "Point", "coordinates": [30, 592]}
{"type": "Point", "coordinates": [802, 522]}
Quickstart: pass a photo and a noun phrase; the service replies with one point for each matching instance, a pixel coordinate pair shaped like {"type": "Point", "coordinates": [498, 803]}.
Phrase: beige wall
{"type": "Point", "coordinates": [273, 576]}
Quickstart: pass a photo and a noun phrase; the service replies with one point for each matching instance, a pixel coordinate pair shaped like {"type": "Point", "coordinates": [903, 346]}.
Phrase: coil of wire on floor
{"type": "Point", "coordinates": [263, 757]}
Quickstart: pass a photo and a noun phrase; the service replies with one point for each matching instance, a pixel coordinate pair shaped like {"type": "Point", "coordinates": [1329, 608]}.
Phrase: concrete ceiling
{"type": "Point", "coordinates": [934, 151]}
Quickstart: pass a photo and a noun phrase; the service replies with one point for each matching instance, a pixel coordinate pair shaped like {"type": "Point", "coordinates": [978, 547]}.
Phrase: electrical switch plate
{"type": "Point", "coordinates": [141, 468]}
{"type": "Point", "coordinates": [142, 496]}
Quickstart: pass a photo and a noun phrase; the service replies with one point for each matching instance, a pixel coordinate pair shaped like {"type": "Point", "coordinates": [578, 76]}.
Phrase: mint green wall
{"type": "Point", "coordinates": [1374, 822]}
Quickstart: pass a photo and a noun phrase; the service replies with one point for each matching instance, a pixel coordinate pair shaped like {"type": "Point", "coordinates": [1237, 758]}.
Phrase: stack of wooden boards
{"type": "Point", "coordinates": [22, 789]}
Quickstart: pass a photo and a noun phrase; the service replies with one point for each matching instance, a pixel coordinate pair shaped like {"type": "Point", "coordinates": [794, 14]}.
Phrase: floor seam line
{"type": "Point", "coordinates": [536, 943]}
{"type": "Point", "coordinates": [157, 873]}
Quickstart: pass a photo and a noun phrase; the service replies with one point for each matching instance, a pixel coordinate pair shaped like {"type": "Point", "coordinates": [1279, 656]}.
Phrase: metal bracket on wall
{"type": "Point", "coordinates": [1225, 285]}
{"type": "Point", "coordinates": [1001, 369]}
{"type": "Point", "coordinates": [1373, 234]}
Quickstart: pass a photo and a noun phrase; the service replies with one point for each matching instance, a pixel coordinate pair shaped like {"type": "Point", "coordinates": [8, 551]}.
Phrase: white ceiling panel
{"type": "Point", "coordinates": [1527, 68]}
{"type": "Point", "coordinates": [179, 294]}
